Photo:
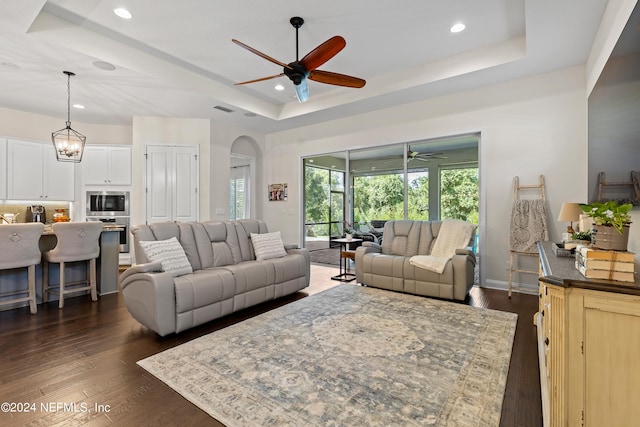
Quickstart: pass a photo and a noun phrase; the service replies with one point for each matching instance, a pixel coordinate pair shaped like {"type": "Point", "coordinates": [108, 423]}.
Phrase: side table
{"type": "Point", "coordinates": [345, 275]}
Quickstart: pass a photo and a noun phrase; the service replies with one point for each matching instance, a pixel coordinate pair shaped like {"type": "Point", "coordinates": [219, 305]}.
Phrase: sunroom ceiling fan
{"type": "Point", "coordinates": [300, 70]}
{"type": "Point", "coordinates": [415, 155]}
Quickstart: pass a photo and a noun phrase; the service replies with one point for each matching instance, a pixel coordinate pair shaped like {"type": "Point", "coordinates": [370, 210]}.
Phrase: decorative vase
{"type": "Point", "coordinates": [608, 238]}
{"type": "Point", "coordinates": [348, 236]}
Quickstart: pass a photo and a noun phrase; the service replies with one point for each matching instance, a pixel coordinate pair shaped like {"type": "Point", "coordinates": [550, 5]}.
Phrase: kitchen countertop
{"type": "Point", "coordinates": [48, 231]}
{"type": "Point", "coordinates": [561, 271]}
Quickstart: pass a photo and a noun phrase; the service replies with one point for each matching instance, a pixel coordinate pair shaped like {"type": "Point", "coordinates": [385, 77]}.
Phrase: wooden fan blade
{"type": "Point", "coordinates": [260, 54]}
{"type": "Point", "coordinates": [323, 53]}
{"type": "Point", "coordinates": [336, 79]}
{"type": "Point", "coordinates": [260, 79]}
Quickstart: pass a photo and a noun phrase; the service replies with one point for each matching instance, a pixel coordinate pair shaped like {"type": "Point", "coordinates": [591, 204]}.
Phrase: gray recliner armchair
{"type": "Point", "coordinates": [388, 265]}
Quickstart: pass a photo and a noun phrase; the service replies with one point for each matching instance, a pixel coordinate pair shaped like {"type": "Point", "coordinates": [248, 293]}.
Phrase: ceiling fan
{"type": "Point", "coordinates": [300, 70]}
{"type": "Point", "coordinates": [415, 155]}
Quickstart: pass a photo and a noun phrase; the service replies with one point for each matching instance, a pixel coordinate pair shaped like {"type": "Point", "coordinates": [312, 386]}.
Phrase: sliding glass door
{"type": "Point", "coordinates": [422, 180]}
{"type": "Point", "coordinates": [324, 201]}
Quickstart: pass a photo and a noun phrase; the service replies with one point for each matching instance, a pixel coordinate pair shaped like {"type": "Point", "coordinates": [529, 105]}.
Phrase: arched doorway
{"type": "Point", "coordinates": [242, 178]}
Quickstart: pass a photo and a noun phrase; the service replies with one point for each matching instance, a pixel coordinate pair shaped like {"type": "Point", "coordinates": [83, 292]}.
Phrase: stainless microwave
{"type": "Point", "coordinates": [107, 203]}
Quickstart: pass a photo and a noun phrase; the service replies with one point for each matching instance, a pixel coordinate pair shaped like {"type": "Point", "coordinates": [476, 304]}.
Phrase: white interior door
{"type": "Point", "coordinates": [185, 183]}
{"type": "Point", "coordinates": [172, 184]}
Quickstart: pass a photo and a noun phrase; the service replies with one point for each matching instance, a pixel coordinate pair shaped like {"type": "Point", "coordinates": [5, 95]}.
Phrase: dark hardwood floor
{"type": "Point", "coordinates": [86, 355]}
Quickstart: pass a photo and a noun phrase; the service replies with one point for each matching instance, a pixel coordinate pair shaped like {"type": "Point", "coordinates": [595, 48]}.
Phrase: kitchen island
{"type": "Point", "coordinates": [106, 274]}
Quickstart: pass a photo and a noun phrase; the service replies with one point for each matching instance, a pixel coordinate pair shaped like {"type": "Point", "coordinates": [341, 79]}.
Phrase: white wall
{"type": "Point", "coordinates": [36, 127]}
{"type": "Point", "coordinates": [529, 127]}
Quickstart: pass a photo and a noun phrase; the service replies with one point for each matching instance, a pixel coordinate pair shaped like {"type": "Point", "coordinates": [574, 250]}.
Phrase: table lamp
{"type": "Point", "coordinates": [570, 212]}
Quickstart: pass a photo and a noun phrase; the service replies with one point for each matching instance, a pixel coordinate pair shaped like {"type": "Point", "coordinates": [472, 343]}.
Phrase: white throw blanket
{"type": "Point", "coordinates": [454, 234]}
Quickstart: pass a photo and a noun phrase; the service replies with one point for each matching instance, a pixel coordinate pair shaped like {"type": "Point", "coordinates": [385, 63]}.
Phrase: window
{"type": "Point", "coordinates": [377, 197]}
{"type": "Point", "coordinates": [418, 194]}
{"type": "Point", "coordinates": [423, 180]}
{"type": "Point", "coordinates": [324, 201]}
{"type": "Point", "coordinates": [459, 193]}
{"type": "Point", "coordinates": [238, 192]}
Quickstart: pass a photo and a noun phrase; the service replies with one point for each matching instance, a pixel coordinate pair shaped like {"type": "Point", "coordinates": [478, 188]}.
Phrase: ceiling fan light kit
{"type": "Point", "coordinates": [299, 71]}
{"type": "Point", "coordinates": [416, 155]}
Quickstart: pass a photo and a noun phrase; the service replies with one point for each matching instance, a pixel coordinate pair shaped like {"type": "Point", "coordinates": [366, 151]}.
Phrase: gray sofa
{"type": "Point", "coordinates": [226, 276]}
{"type": "Point", "coordinates": [388, 266]}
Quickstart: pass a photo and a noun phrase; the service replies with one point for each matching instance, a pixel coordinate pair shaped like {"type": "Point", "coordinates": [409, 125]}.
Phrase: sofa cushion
{"type": "Point", "coordinates": [202, 296]}
{"type": "Point", "coordinates": [202, 288]}
{"type": "Point", "coordinates": [244, 228]}
{"type": "Point", "coordinates": [164, 231]}
{"type": "Point", "coordinates": [217, 243]}
{"type": "Point", "coordinates": [170, 254]}
{"type": "Point", "coordinates": [268, 245]}
{"type": "Point", "coordinates": [401, 237]}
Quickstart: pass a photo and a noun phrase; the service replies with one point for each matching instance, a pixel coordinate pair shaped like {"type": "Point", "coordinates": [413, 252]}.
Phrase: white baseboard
{"type": "Point", "coordinates": [523, 288]}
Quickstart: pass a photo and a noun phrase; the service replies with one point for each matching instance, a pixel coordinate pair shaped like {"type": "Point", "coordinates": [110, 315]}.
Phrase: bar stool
{"type": "Point", "coordinates": [19, 249]}
{"type": "Point", "coordinates": [77, 241]}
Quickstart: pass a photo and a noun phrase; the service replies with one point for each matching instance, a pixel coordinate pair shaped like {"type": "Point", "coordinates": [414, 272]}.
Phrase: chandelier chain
{"type": "Point", "coordinates": [68, 99]}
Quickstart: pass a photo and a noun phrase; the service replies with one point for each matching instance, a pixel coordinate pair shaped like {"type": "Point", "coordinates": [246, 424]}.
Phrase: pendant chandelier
{"type": "Point", "coordinates": [68, 143]}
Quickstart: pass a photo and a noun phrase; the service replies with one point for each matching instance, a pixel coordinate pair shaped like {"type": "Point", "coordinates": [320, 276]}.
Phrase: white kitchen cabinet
{"type": "Point", "coordinates": [33, 173]}
{"type": "Point", "coordinates": [3, 168]}
{"type": "Point", "coordinates": [172, 185]}
{"type": "Point", "coordinates": [106, 165]}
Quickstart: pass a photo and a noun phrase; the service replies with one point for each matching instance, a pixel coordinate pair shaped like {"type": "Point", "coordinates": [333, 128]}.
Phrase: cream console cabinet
{"type": "Point", "coordinates": [33, 173]}
{"type": "Point", "coordinates": [588, 346]}
{"type": "Point", "coordinates": [106, 165]}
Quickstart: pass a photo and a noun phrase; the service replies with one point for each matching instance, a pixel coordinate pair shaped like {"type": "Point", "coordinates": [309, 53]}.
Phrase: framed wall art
{"type": "Point", "coordinates": [277, 192]}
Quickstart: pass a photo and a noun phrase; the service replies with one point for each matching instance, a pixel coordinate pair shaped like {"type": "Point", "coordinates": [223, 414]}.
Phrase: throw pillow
{"type": "Point", "coordinates": [268, 245]}
{"type": "Point", "coordinates": [170, 254]}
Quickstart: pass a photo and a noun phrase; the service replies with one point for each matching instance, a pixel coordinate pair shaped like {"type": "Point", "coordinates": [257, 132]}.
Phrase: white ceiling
{"type": "Point", "coordinates": [176, 59]}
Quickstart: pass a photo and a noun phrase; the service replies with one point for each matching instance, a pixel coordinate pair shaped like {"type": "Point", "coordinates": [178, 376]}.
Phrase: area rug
{"type": "Point", "coordinates": [350, 355]}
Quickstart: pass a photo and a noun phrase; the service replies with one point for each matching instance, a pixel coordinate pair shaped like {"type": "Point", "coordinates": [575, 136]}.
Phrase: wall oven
{"type": "Point", "coordinates": [107, 203]}
{"type": "Point", "coordinates": [121, 222]}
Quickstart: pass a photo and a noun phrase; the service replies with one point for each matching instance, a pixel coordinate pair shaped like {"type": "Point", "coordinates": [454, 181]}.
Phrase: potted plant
{"type": "Point", "coordinates": [583, 237]}
{"type": "Point", "coordinates": [611, 222]}
{"type": "Point", "coordinates": [349, 231]}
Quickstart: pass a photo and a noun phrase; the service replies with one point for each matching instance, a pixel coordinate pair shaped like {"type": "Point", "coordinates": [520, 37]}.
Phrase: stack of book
{"type": "Point", "coordinates": [601, 264]}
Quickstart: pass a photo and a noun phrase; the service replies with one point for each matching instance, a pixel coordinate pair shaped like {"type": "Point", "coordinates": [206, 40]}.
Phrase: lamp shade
{"type": "Point", "coordinates": [570, 212]}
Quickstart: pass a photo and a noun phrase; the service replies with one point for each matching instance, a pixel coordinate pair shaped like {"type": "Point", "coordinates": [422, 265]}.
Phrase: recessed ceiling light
{"type": "Point", "coordinates": [78, 106]}
{"type": "Point", "coordinates": [123, 13]}
{"type": "Point", "coordinates": [456, 28]}
{"type": "Point", "coordinates": [279, 87]}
